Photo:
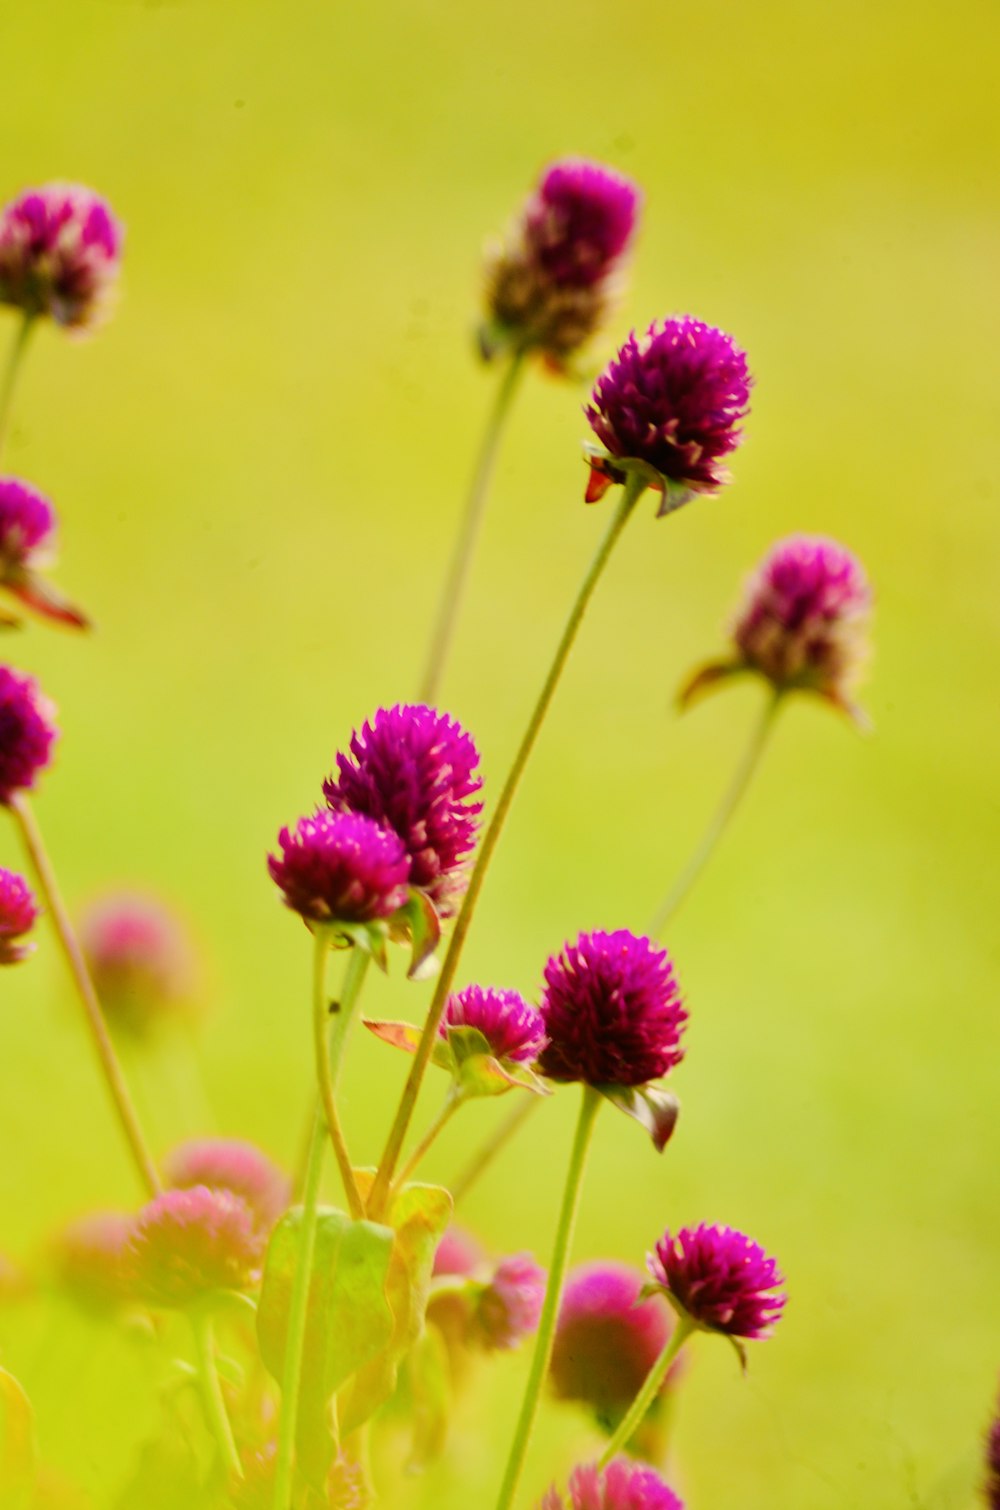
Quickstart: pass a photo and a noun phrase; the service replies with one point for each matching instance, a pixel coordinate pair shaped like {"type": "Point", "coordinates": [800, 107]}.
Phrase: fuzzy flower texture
{"type": "Point", "coordinates": [722, 1280]}
{"type": "Point", "coordinates": [187, 1243]}
{"type": "Point", "coordinates": [623, 1485]}
{"type": "Point", "coordinates": [513, 1029]}
{"type": "Point", "coordinates": [27, 733]}
{"type": "Point", "coordinates": [18, 911]}
{"type": "Point", "coordinates": [60, 249]}
{"type": "Point", "coordinates": [669, 405]}
{"type": "Point", "coordinates": [340, 868]}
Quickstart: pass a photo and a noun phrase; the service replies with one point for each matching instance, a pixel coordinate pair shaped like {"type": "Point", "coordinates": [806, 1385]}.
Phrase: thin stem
{"type": "Point", "coordinates": [472, 519]}
{"type": "Point", "coordinates": [447, 1111]}
{"type": "Point", "coordinates": [637, 1412]}
{"type": "Point", "coordinates": [329, 1048]}
{"type": "Point", "coordinates": [32, 839]}
{"type": "Point", "coordinates": [211, 1391]}
{"type": "Point", "coordinates": [730, 802]}
{"type": "Point", "coordinates": [9, 381]}
{"type": "Point", "coordinates": [553, 1293]}
{"type": "Point", "coordinates": [383, 1180]}
{"type": "Point", "coordinates": [487, 1152]}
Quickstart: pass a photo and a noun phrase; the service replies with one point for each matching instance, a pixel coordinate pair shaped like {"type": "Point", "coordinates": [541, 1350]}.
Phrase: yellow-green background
{"type": "Point", "coordinates": [258, 465]}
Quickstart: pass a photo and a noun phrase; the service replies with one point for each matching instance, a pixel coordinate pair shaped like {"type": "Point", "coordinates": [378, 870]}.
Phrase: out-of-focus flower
{"type": "Point", "coordinates": [720, 1279]}
{"type": "Point", "coordinates": [669, 407]}
{"type": "Point", "coordinates": [234, 1165]}
{"type": "Point", "coordinates": [612, 1011]}
{"type": "Point", "coordinates": [89, 1260]}
{"type": "Point", "coordinates": [507, 1309]}
{"type": "Point", "coordinates": [340, 867]}
{"type": "Point", "coordinates": [607, 1339]}
{"type": "Point", "coordinates": [18, 912]}
{"type": "Point", "coordinates": [60, 250]}
{"type": "Point", "coordinates": [415, 770]}
{"type": "Point", "coordinates": [622, 1485]}
{"type": "Point", "coordinates": [141, 959]}
{"type": "Point", "coordinates": [344, 1488]}
{"type": "Point", "coordinates": [27, 531]}
{"type": "Point", "coordinates": [27, 733]}
{"type": "Point", "coordinates": [512, 1029]}
{"type": "Point", "coordinates": [458, 1252]}
{"type": "Point", "coordinates": [185, 1244]}
{"type": "Point", "coordinates": [553, 280]}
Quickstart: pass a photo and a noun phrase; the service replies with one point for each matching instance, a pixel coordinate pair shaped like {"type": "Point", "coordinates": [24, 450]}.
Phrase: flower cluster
{"type": "Point", "coordinates": [235, 1165]}
{"type": "Point", "coordinates": [60, 247]}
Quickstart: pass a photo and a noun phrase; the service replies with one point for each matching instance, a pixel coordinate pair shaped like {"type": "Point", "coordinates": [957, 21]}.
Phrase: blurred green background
{"type": "Point", "coordinates": [258, 465]}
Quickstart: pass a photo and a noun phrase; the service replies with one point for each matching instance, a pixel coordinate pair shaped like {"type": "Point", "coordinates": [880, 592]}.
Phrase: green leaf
{"type": "Point", "coordinates": [430, 1392]}
{"type": "Point", "coordinates": [418, 921]}
{"type": "Point", "coordinates": [652, 1107]}
{"type": "Point", "coordinates": [478, 1073]}
{"type": "Point", "coordinates": [18, 1452]}
{"type": "Point", "coordinates": [418, 1215]}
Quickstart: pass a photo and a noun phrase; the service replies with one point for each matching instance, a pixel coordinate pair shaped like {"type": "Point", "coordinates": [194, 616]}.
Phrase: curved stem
{"type": "Point", "coordinates": [636, 1414]}
{"type": "Point", "coordinates": [730, 802]}
{"type": "Point", "coordinates": [468, 534]}
{"type": "Point", "coordinates": [447, 1111]}
{"type": "Point", "coordinates": [13, 368]}
{"type": "Point", "coordinates": [329, 1049]}
{"type": "Point", "coordinates": [487, 1152]}
{"type": "Point", "coordinates": [32, 839]}
{"type": "Point", "coordinates": [553, 1293]}
{"type": "Point", "coordinates": [211, 1391]}
{"type": "Point", "coordinates": [383, 1180]}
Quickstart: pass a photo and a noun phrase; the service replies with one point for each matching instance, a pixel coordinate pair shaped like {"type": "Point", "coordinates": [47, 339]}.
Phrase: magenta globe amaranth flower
{"type": "Point", "coordinates": [512, 1029]}
{"type": "Point", "coordinates": [415, 770]}
{"type": "Point", "coordinates": [27, 532]}
{"type": "Point", "coordinates": [185, 1244]}
{"type": "Point", "coordinates": [669, 407]}
{"type": "Point", "coordinates": [141, 960]}
{"type": "Point", "coordinates": [18, 913]}
{"type": "Point", "coordinates": [612, 1011]}
{"type": "Point", "coordinates": [720, 1279]}
{"type": "Point", "coordinates": [235, 1165]}
{"type": "Point", "coordinates": [27, 733]}
{"type": "Point", "coordinates": [60, 249]}
{"type": "Point", "coordinates": [509, 1306]}
{"type": "Point", "coordinates": [622, 1485]}
{"type": "Point", "coordinates": [340, 868]}
{"type": "Point", "coordinates": [553, 280]}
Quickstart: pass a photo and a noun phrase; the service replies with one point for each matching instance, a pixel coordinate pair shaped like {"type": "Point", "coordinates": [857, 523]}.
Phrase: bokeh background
{"type": "Point", "coordinates": [259, 464]}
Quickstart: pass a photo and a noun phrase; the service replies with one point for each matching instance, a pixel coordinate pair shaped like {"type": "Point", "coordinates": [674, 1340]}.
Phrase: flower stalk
{"type": "Point", "coordinates": [329, 1049]}
{"type": "Point", "coordinates": [213, 1402]}
{"type": "Point", "coordinates": [12, 371]}
{"type": "Point", "coordinates": [638, 1410]}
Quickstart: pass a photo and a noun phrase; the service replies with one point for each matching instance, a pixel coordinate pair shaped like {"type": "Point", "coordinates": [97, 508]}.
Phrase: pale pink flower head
{"type": "Point", "coordinates": [18, 912]}
{"type": "Point", "coordinates": [607, 1338]}
{"type": "Point", "coordinates": [612, 1011]}
{"type": "Point", "coordinates": [89, 1258]}
{"type": "Point", "coordinates": [141, 959]}
{"type": "Point", "coordinates": [186, 1244]}
{"type": "Point", "coordinates": [509, 1306]}
{"type": "Point", "coordinates": [340, 867]}
{"type": "Point", "coordinates": [512, 1029]}
{"type": "Point", "coordinates": [720, 1279]}
{"type": "Point", "coordinates": [60, 250]}
{"type": "Point", "coordinates": [27, 733]}
{"type": "Point", "coordinates": [622, 1485]}
{"type": "Point", "coordinates": [458, 1252]}
{"type": "Point", "coordinates": [235, 1165]}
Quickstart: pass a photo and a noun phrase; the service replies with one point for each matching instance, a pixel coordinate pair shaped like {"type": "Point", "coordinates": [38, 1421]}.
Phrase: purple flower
{"type": "Point", "coordinates": [186, 1243]}
{"type": "Point", "coordinates": [234, 1165]}
{"type": "Point", "coordinates": [27, 733]}
{"type": "Point", "coordinates": [60, 247]}
{"type": "Point", "coordinates": [18, 911]}
{"type": "Point", "coordinates": [607, 1338]}
{"type": "Point", "coordinates": [623, 1485]}
{"type": "Point", "coordinates": [512, 1028]}
{"type": "Point", "coordinates": [141, 960]}
{"type": "Point", "coordinates": [414, 770]}
{"type": "Point", "coordinates": [27, 528]}
{"type": "Point", "coordinates": [612, 1010]}
{"type": "Point", "coordinates": [991, 1485]}
{"type": "Point", "coordinates": [340, 868]}
{"type": "Point", "coordinates": [671, 402]}
{"type": "Point", "coordinates": [721, 1279]}
{"type": "Point", "coordinates": [509, 1306]}
{"type": "Point", "coordinates": [551, 283]}
{"type": "Point", "coordinates": [89, 1259]}
{"type": "Point", "coordinates": [804, 617]}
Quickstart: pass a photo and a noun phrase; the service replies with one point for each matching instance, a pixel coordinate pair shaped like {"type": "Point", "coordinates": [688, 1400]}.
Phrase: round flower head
{"type": "Point", "coordinates": [27, 529]}
{"type": "Point", "coordinates": [60, 247]}
{"type": "Point", "coordinates": [234, 1165]}
{"type": "Point", "coordinates": [458, 1252]}
{"type": "Point", "coordinates": [18, 911]}
{"type": "Point", "coordinates": [669, 404]}
{"type": "Point", "coordinates": [607, 1338]}
{"type": "Point", "coordinates": [414, 770]}
{"type": "Point", "coordinates": [721, 1279]}
{"type": "Point", "coordinates": [804, 617]}
{"type": "Point", "coordinates": [612, 1011]}
{"type": "Point", "coordinates": [508, 1308]}
{"type": "Point", "coordinates": [27, 733]}
{"type": "Point", "coordinates": [553, 281]}
{"type": "Point", "coordinates": [622, 1485]}
{"type": "Point", "coordinates": [340, 868]}
{"type": "Point", "coordinates": [512, 1028]}
{"type": "Point", "coordinates": [89, 1257]}
{"type": "Point", "coordinates": [141, 960]}
{"type": "Point", "coordinates": [186, 1243]}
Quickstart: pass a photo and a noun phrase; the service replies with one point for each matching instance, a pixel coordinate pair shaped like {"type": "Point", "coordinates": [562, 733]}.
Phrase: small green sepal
{"type": "Point", "coordinates": [652, 1107]}
{"type": "Point", "coordinates": [417, 921]}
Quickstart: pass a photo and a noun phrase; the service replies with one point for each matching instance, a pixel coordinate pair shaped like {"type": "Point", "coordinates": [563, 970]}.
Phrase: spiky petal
{"type": "Point", "coordinates": [513, 1029]}
{"type": "Point", "coordinates": [340, 868]}
{"type": "Point", "coordinates": [721, 1279]}
{"type": "Point", "coordinates": [622, 1485]}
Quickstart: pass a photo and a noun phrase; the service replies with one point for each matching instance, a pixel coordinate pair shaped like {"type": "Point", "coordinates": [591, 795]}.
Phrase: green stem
{"type": "Point", "coordinates": [553, 1293]}
{"type": "Point", "coordinates": [487, 1152]}
{"type": "Point", "coordinates": [13, 368]}
{"type": "Point", "coordinates": [639, 1408]}
{"type": "Point", "coordinates": [449, 1109]}
{"type": "Point", "coordinates": [329, 1050]}
{"type": "Point", "coordinates": [730, 802]}
{"type": "Point", "coordinates": [55, 906]}
{"type": "Point", "coordinates": [397, 1134]}
{"type": "Point", "coordinates": [472, 519]}
{"type": "Point", "coordinates": [211, 1391]}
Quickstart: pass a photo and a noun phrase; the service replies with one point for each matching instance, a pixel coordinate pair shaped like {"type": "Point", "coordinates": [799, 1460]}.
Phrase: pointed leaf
{"type": "Point", "coordinates": [652, 1107]}
{"type": "Point", "coordinates": [417, 920]}
{"type": "Point", "coordinates": [706, 679]}
{"type": "Point", "coordinates": [38, 594]}
{"type": "Point", "coordinates": [18, 1452]}
{"type": "Point", "coordinates": [405, 1035]}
